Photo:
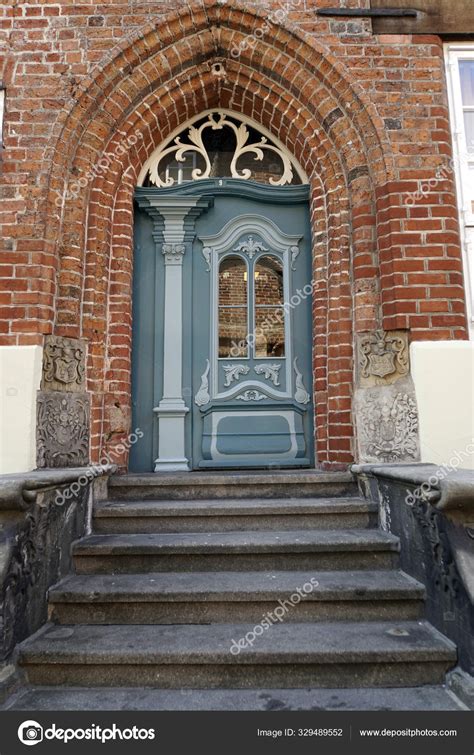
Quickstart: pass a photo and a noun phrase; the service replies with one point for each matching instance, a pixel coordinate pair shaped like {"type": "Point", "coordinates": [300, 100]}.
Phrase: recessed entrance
{"type": "Point", "coordinates": [222, 346]}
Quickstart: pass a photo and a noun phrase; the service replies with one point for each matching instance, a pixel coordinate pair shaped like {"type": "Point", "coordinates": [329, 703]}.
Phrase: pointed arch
{"type": "Point", "coordinates": [151, 84]}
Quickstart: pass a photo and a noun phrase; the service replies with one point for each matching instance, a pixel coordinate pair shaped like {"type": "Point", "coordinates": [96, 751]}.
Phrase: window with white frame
{"type": "Point", "coordinates": [460, 67]}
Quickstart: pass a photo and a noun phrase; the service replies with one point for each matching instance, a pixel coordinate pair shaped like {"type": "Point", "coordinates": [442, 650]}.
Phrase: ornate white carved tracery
{"type": "Point", "coordinates": [186, 147]}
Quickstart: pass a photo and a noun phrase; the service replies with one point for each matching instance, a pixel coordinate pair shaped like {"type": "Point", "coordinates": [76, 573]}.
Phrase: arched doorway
{"type": "Point", "coordinates": [306, 97]}
{"type": "Point", "coordinates": [222, 336]}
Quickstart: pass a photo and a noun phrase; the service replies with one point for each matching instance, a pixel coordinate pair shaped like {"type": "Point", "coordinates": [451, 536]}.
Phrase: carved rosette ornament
{"type": "Point", "coordinates": [63, 364]}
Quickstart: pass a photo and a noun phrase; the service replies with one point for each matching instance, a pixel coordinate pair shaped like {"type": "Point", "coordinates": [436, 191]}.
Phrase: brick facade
{"type": "Point", "coordinates": [93, 89]}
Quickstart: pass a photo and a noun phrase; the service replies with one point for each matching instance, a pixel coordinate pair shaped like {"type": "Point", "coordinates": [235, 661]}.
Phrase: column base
{"type": "Point", "coordinates": [171, 465]}
{"type": "Point", "coordinates": [171, 415]}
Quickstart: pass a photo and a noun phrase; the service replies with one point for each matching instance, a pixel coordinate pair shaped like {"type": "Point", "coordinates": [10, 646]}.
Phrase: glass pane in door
{"type": "Point", "coordinates": [233, 312]}
{"type": "Point", "coordinates": [269, 314]}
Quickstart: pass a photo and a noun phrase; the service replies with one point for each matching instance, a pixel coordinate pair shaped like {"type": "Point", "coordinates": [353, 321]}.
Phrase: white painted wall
{"type": "Point", "coordinates": [443, 373]}
{"type": "Point", "coordinates": [20, 377]}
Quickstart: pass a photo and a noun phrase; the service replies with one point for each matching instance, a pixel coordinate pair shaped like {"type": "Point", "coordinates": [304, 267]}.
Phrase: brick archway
{"type": "Point", "coordinates": [162, 78]}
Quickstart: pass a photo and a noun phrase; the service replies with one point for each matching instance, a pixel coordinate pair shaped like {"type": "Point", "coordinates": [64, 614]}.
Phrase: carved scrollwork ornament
{"type": "Point", "coordinates": [233, 372]}
{"type": "Point", "coordinates": [202, 397]}
{"type": "Point", "coordinates": [194, 145]}
{"type": "Point", "coordinates": [301, 394]}
{"type": "Point", "coordinates": [270, 372]}
{"type": "Point", "coordinates": [207, 254]}
{"type": "Point", "coordinates": [250, 247]}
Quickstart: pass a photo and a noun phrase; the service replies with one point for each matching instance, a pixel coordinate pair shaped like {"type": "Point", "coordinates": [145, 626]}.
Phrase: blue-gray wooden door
{"type": "Point", "coordinates": [247, 337]}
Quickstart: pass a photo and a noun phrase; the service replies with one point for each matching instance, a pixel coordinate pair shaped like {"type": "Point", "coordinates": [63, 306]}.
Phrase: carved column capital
{"type": "Point", "coordinates": [173, 253]}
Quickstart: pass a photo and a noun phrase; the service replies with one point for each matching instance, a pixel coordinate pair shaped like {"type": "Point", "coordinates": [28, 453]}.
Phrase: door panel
{"type": "Point", "coordinates": [251, 341]}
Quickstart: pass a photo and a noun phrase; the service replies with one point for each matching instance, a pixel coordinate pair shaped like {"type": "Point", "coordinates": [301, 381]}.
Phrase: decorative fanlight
{"type": "Point", "coordinates": [195, 146]}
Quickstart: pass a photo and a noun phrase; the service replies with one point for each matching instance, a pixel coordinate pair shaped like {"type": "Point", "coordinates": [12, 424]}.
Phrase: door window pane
{"type": "Point", "coordinates": [269, 314]}
{"type": "Point", "coordinates": [233, 318]}
{"type": "Point", "coordinates": [268, 281]}
{"type": "Point", "coordinates": [269, 332]}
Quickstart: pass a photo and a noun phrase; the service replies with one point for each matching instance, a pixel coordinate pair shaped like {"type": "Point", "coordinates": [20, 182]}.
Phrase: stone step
{"type": "Point", "coordinates": [116, 517]}
{"type": "Point", "coordinates": [236, 551]}
{"type": "Point", "coordinates": [336, 654]}
{"type": "Point", "coordinates": [222, 485]}
{"type": "Point", "coordinates": [211, 597]}
{"type": "Point", "coordinates": [435, 698]}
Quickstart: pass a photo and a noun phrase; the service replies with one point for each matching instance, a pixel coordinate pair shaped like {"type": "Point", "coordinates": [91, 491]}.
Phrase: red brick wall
{"type": "Point", "coordinates": [365, 115]}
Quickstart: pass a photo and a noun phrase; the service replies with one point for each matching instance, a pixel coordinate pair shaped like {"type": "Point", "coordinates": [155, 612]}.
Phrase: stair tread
{"type": "Point", "coordinates": [258, 477]}
{"type": "Point", "coordinates": [132, 698]}
{"type": "Point", "coordinates": [332, 642]}
{"type": "Point", "coordinates": [232, 507]}
{"type": "Point", "coordinates": [234, 586]}
{"type": "Point", "coordinates": [238, 542]}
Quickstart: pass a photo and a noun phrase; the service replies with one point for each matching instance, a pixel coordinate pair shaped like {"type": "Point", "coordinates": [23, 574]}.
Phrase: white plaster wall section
{"type": "Point", "coordinates": [20, 378]}
{"type": "Point", "coordinates": [443, 373]}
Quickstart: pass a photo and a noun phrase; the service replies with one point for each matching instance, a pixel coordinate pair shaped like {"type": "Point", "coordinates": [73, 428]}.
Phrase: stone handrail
{"type": "Point", "coordinates": [450, 492]}
{"type": "Point", "coordinates": [18, 491]}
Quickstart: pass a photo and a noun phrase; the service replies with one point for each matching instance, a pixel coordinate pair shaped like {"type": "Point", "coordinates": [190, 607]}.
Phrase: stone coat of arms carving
{"type": "Point", "coordinates": [382, 357]}
{"type": "Point", "coordinates": [62, 433]}
{"type": "Point", "coordinates": [388, 427]}
{"type": "Point", "coordinates": [64, 364]}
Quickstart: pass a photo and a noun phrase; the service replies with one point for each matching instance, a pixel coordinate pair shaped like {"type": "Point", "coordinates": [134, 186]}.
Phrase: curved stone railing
{"type": "Point", "coordinates": [41, 514]}
{"type": "Point", "coordinates": [431, 509]}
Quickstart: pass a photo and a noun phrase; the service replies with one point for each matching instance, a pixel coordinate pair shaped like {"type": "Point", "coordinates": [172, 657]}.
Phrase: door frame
{"type": "Point", "coordinates": [174, 211]}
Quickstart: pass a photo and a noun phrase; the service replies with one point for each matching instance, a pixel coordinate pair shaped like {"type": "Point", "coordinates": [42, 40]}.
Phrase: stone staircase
{"type": "Point", "coordinates": [180, 568]}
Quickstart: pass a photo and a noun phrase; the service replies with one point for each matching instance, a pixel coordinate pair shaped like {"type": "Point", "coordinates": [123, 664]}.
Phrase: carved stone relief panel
{"type": "Point", "coordinates": [387, 423]}
{"type": "Point", "coordinates": [62, 433]}
{"type": "Point", "coordinates": [64, 364]}
{"type": "Point", "coordinates": [382, 357]}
